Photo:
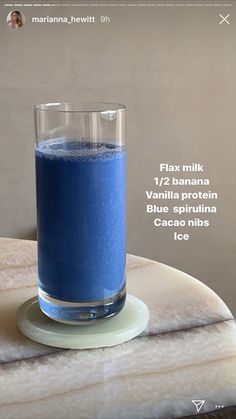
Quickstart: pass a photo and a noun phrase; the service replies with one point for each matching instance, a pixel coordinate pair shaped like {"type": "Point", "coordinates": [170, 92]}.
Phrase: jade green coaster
{"type": "Point", "coordinates": [126, 325]}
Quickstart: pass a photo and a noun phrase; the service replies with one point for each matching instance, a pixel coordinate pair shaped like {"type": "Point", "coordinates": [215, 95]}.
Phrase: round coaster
{"type": "Point", "coordinates": [130, 322]}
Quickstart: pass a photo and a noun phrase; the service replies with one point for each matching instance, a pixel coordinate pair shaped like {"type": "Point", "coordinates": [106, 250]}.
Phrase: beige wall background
{"type": "Point", "coordinates": [174, 68]}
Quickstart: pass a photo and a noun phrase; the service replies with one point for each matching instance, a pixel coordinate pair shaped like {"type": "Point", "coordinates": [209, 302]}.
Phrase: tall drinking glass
{"type": "Point", "coordinates": [81, 210]}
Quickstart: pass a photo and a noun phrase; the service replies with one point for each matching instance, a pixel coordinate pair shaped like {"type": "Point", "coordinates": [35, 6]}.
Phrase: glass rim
{"type": "Point", "coordinates": [80, 107]}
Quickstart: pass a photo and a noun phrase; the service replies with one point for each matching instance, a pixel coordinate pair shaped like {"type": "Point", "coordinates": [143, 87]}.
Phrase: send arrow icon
{"type": "Point", "coordinates": [198, 404]}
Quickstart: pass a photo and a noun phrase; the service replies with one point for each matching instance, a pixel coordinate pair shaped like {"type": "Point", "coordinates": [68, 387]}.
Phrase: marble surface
{"type": "Point", "coordinates": [188, 351]}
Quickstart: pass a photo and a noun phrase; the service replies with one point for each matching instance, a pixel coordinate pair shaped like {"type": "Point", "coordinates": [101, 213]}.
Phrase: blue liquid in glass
{"type": "Point", "coordinates": [81, 215]}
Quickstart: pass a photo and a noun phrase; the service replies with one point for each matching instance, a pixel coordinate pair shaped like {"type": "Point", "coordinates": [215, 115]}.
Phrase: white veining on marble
{"type": "Point", "coordinates": [175, 300]}
{"type": "Point", "coordinates": [150, 374]}
{"type": "Point", "coordinates": [18, 264]}
{"type": "Point", "coordinates": [148, 377]}
{"type": "Point", "coordinates": [158, 285]}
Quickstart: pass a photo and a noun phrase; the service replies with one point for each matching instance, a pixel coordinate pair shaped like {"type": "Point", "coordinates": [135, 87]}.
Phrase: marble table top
{"type": "Point", "coordinates": [188, 351]}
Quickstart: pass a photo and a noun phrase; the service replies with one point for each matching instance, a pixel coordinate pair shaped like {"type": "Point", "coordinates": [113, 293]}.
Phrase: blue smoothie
{"type": "Point", "coordinates": [81, 215]}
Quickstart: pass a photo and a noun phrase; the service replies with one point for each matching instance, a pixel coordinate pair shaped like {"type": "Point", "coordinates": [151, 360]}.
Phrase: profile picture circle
{"type": "Point", "coordinates": [15, 19]}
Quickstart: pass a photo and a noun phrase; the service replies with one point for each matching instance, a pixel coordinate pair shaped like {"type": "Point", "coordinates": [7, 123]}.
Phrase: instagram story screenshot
{"type": "Point", "coordinates": [117, 209]}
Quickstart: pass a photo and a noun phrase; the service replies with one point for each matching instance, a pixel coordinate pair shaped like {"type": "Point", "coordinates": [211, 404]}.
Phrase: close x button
{"type": "Point", "coordinates": [224, 19]}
